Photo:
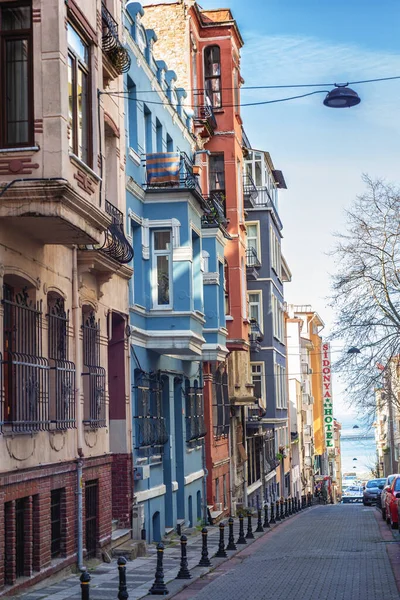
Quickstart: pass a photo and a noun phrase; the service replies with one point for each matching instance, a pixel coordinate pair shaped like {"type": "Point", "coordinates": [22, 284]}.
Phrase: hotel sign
{"type": "Point", "coordinates": [327, 395]}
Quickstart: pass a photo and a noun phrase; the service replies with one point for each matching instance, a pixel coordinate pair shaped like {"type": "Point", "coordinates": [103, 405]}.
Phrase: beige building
{"type": "Point", "coordinates": [64, 271]}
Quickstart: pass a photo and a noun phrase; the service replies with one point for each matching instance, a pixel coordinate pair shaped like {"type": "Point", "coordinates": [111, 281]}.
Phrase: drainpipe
{"type": "Point", "coordinates": [78, 405]}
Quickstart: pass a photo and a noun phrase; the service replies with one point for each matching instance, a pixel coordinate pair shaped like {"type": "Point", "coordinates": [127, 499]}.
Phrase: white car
{"type": "Point", "coordinates": [352, 495]}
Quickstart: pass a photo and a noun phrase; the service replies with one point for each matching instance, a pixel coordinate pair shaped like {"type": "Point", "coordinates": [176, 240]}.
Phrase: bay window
{"type": "Point", "coordinates": [162, 269]}
{"type": "Point", "coordinates": [78, 95]}
{"type": "Point", "coordinates": [16, 87]}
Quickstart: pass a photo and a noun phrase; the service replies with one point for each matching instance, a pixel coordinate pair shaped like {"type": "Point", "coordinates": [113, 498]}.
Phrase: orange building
{"type": "Point", "coordinates": [203, 48]}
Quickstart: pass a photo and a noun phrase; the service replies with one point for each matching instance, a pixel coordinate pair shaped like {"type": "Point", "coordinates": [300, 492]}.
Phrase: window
{"type": "Point", "coordinates": [226, 287]}
{"type": "Point", "coordinates": [253, 237]}
{"type": "Point", "coordinates": [56, 522]}
{"type": "Point", "coordinates": [94, 376]}
{"type": "Point", "coordinates": [132, 115]}
{"type": "Point", "coordinates": [162, 265]}
{"type": "Point", "coordinates": [224, 491]}
{"type": "Point", "coordinates": [159, 136]}
{"type": "Point", "coordinates": [150, 431]}
{"type": "Point", "coordinates": [236, 98]}
{"type": "Point", "coordinates": [255, 308]}
{"type": "Point", "coordinates": [194, 405]}
{"type": "Point", "coordinates": [280, 386]}
{"type": "Point", "coordinates": [221, 403]}
{"type": "Point", "coordinates": [212, 71]}
{"type": "Point", "coordinates": [16, 88]}
{"type": "Point", "coordinates": [78, 94]}
{"type": "Point", "coordinates": [217, 175]}
{"type": "Point", "coordinates": [258, 380]}
{"type": "Point", "coordinates": [277, 318]}
{"type": "Point", "coordinates": [217, 490]}
{"type": "Point", "coordinates": [275, 251]}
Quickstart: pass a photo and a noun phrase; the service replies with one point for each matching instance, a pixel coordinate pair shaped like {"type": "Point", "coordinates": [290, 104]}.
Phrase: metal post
{"type": "Point", "coordinates": [159, 588]}
{"type": "Point", "coordinates": [282, 511]}
{"type": "Point", "coordinates": [278, 514]}
{"type": "Point", "coordinates": [286, 508]}
{"type": "Point", "coordinates": [260, 528]}
{"type": "Point", "coordinates": [231, 540]}
{"type": "Point", "coordinates": [183, 571]}
{"type": "Point", "coordinates": [266, 522]}
{"type": "Point", "coordinates": [122, 589]}
{"type": "Point", "coordinates": [204, 561]}
{"type": "Point", "coordinates": [249, 534]}
{"type": "Point", "coordinates": [290, 511]}
{"type": "Point", "coordinates": [221, 546]}
{"type": "Point", "coordinates": [272, 517]}
{"type": "Point", "coordinates": [241, 538]}
{"type": "Point", "coordinates": [85, 585]}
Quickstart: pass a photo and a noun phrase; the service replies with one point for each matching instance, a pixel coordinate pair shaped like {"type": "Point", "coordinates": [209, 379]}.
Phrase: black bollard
{"type": "Point", "coordinates": [260, 528]}
{"type": "Point", "coordinates": [221, 546]}
{"type": "Point", "coordinates": [249, 534]}
{"type": "Point", "coordinates": [282, 510]}
{"type": "Point", "coordinates": [278, 512]}
{"type": "Point", "coordinates": [286, 508]}
{"type": "Point", "coordinates": [231, 540]}
{"type": "Point", "coordinates": [266, 522]}
{"type": "Point", "coordinates": [241, 539]}
{"type": "Point", "coordinates": [85, 585]}
{"type": "Point", "coordinates": [272, 517]}
{"type": "Point", "coordinates": [159, 588]}
{"type": "Point", "coordinates": [290, 510]}
{"type": "Point", "coordinates": [183, 571]}
{"type": "Point", "coordinates": [122, 589]}
{"type": "Point", "coordinates": [294, 505]}
{"type": "Point", "coordinates": [204, 561]}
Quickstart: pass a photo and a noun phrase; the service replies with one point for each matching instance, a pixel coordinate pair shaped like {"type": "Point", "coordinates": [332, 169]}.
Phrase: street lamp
{"type": "Point", "coordinates": [342, 97]}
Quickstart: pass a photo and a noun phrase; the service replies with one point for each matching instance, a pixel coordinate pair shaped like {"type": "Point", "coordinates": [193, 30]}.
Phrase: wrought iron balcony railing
{"type": "Point", "coordinates": [150, 432]}
{"type": "Point", "coordinates": [214, 213]}
{"type": "Point", "coordinates": [195, 428]}
{"type": "Point", "coordinates": [256, 336]}
{"type": "Point", "coordinates": [171, 170]}
{"type": "Point", "coordinates": [252, 259]}
{"type": "Point", "coordinates": [112, 47]}
{"type": "Point", "coordinates": [250, 191]}
{"type": "Point", "coordinates": [204, 115]}
{"type": "Point", "coordinates": [94, 389]}
{"type": "Point", "coordinates": [116, 245]}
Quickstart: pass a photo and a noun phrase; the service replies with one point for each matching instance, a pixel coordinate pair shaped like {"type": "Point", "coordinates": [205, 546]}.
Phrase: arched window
{"type": "Point", "coordinates": [212, 75]}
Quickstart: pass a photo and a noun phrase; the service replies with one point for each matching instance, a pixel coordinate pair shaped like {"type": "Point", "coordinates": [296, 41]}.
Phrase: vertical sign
{"type": "Point", "coordinates": [327, 394]}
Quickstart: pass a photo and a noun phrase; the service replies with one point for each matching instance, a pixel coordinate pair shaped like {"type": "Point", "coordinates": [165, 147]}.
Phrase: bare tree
{"type": "Point", "coordinates": [366, 293]}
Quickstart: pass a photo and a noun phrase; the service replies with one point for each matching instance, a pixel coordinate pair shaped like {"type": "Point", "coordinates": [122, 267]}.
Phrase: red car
{"type": "Point", "coordinates": [391, 503]}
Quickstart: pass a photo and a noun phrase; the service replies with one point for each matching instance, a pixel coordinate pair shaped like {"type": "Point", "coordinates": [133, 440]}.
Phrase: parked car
{"type": "Point", "coordinates": [391, 503]}
{"type": "Point", "coordinates": [387, 484]}
{"type": "Point", "coordinates": [371, 491]}
{"type": "Point", "coordinates": [352, 495]}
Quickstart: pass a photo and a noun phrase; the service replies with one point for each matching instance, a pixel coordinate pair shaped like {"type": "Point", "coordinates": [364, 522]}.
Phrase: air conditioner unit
{"type": "Point", "coordinates": [140, 473]}
{"type": "Point", "coordinates": [137, 521]}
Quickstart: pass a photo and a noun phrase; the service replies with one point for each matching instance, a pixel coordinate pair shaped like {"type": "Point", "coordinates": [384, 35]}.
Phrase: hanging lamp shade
{"type": "Point", "coordinates": [342, 97]}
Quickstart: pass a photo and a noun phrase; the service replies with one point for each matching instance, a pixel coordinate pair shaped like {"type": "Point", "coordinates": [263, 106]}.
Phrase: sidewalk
{"type": "Point", "coordinates": [141, 571]}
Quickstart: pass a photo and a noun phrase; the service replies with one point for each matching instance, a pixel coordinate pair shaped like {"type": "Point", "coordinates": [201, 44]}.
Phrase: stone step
{"type": "Point", "coordinates": [130, 550]}
{"type": "Point", "coordinates": [120, 536]}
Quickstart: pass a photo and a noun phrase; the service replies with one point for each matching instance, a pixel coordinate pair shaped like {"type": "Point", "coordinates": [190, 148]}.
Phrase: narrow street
{"type": "Point", "coordinates": [336, 552]}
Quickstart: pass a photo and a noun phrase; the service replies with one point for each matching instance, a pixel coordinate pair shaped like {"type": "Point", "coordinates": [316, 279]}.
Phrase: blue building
{"type": "Point", "coordinates": [168, 214]}
{"type": "Point", "coordinates": [268, 471]}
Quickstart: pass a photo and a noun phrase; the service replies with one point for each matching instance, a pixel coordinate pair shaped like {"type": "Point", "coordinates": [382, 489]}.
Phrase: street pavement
{"type": "Point", "coordinates": [325, 552]}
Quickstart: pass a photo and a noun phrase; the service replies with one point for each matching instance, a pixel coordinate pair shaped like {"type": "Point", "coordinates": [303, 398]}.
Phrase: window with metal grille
{"type": "Point", "coordinates": [195, 425]}
{"type": "Point", "coordinates": [62, 371]}
{"type": "Point", "coordinates": [216, 169]}
{"type": "Point", "coordinates": [221, 404]}
{"type": "Point", "coordinates": [150, 428]}
{"type": "Point", "coordinates": [56, 522]}
{"type": "Point", "coordinates": [25, 370]}
{"type": "Point", "coordinates": [94, 380]}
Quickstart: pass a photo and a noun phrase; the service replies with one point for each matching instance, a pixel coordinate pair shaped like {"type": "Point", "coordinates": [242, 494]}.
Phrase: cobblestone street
{"type": "Point", "coordinates": [337, 552]}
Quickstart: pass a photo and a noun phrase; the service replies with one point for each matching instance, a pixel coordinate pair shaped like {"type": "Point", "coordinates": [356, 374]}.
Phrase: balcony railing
{"type": "Point", "coordinates": [116, 245]}
{"type": "Point", "coordinates": [150, 432]}
{"type": "Point", "coordinates": [204, 115]}
{"type": "Point", "coordinates": [250, 191]}
{"type": "Point", "coordinates": [112, 47]}
{"type": "Point", "coordinates": [252, 259]}
{"type": "Point", "coordinates": [214, 213]}
{"type": "Point", "coordinates": [171, 170]}
{"type": "Point", "coordinates": [256, 336]}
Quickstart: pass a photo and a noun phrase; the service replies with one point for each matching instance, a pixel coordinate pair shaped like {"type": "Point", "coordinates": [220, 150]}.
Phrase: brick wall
{"type": "Point", "coordinates": [122, 489]}
{"type": "Point", "coordinates": [35, 487]}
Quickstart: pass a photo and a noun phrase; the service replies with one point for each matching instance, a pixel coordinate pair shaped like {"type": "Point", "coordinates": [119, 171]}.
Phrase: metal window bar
{"type": "Point", "coordinates": [62, 371]}
{"type": "Point", "coordinates": [111, 44]}
{"type": "Point", "coordinates": [25, 371]}
{"type": "Point", "coordinates": [252, 259]}
{"type": "Point", "coordinates": [195, 425]}
{"type": "Point", "coordinates": [221, 404]}
{"type": "Point", "coordinates": [255, 332]}
{"type": "Point", "coordinates": [151, 430]}
{"type": "Point", "coordinates": [94, 387]}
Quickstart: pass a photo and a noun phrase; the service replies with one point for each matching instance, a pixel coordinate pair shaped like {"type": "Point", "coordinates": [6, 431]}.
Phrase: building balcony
{"type": "Point", "coordinates": [116, 59]}
{"type": "Point", "coordinates": [252, 264]}
{"type": "Point", "coordinates": [204, 118]}
{"type": "Point", "coordinates": [256, 336]}
{"type": "Point", "coordinates": [173, 172]}
{"type": "Point", "coordinates": [250, 191]}
{"type": "Point", "coordinates": [214, 216]}
{"type": "Point", "coordinates": [53, 212]}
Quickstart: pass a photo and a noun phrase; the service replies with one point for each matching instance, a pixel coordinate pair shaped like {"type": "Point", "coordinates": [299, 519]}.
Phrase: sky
{"type": "Point", "coordinates": [322, 152]}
